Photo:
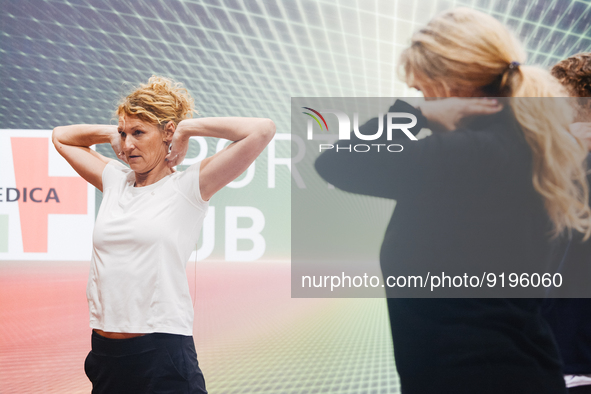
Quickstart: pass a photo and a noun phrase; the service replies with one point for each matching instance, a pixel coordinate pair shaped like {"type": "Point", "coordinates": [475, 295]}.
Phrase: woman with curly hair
{"type": "Point", "coordinates": [485, 195]}
{"type": "Point", "coordinates": [574, 73]}
{"type": "Point", "coordinates": [147, 226]}
{"type": "Point", "coordinates": [570, 318]}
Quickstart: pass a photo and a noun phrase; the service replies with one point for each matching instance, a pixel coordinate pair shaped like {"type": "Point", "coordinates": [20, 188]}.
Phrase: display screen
{"type": "Point", "coordinates": [68, 62]}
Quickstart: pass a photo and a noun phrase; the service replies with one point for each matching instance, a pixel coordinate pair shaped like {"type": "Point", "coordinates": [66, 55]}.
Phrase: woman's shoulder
{"type": "Point", "coordinates": [187, 182]}
{"type": "Point", "coordinates": [490, 145]}
{"type": "Point", "coordinates": [499, 132]}
{"type": "Point", "coordinates": [188, 174]}
{"type": "Point", "coordinates": [117, 166]}
{"type": "Point", "coordinates": [115, 171]}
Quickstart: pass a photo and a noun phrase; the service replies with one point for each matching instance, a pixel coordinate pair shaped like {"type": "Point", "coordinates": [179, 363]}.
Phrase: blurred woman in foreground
{"type": "Point", "coordinates": [485, 197]}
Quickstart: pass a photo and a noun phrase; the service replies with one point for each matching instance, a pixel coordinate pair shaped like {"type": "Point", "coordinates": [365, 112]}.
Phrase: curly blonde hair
{"type": "Point", "coordinates": [159, 101]}
{"type": "Point", "coordinates": [464, 48]}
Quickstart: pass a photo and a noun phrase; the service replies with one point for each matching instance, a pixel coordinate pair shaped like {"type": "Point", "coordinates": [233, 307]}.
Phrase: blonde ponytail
{"type": "Point", "coordinates": [558, 171]}
{"type": "Point", "coordinates": [466, 49]}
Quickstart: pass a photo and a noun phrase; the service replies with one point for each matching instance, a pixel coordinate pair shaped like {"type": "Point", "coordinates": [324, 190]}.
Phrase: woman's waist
{"type": "Point", "coordinates": [117, 335]}
{"type": "Point", "coordinates": [134, 345]}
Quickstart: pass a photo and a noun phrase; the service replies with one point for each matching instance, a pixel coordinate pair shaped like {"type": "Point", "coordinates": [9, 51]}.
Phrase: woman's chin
{"type": "Point", "coordinates": [136, 167]}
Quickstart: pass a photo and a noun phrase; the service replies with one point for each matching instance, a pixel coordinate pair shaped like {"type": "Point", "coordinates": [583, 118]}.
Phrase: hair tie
{"type": "Point", "coordinates": [513, 65]}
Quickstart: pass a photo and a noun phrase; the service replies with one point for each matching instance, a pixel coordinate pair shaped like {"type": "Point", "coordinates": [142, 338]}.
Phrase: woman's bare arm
{"type": "Point", "coordinates": [74, 142]}
{"type": "Point", "coordinates": [250, 136]}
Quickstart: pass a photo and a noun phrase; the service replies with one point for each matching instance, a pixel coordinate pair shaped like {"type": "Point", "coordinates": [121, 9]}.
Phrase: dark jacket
{"type": "Point", "coordinates": [570, 318]}
{"type": "Point", "coordinates": [465, 203]}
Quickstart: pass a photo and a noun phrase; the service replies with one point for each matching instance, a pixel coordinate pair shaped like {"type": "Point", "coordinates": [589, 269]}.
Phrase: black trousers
{"type": "Point", "coordinates": [154, 363]}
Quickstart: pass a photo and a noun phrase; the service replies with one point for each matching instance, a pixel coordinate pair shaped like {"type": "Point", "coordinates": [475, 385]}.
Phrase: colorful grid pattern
{"type": "Point", "coordinates": [236, 57]}
{"type": "Point", "coordinates": [250, 335]}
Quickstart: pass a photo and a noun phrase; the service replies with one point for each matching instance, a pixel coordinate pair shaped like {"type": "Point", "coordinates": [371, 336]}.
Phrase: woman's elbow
{"type": "Point", "coordinates": [55, 136]}
{"type": "Point", "coordinates": [268, 129]}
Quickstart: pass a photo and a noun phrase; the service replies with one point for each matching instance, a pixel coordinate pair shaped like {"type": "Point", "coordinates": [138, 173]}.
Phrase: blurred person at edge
{"type": "Point", "coordinates": [484, 191]}
{"type": "Point", "coordinates": [570, 318]}
{"type": "Point", "coordinates": [147, 226]}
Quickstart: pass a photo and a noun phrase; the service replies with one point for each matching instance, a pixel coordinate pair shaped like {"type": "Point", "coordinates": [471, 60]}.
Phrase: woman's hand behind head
{"type": "Point", "coordinates": [178, 146]}
{"type": "Point", "coordinates": [115, 141]}
{"type": "Point", "coordinates": [447, 114]}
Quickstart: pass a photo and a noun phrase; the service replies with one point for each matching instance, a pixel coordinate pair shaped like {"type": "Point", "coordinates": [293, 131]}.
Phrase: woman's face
{"type": "Point", "coordinates": [144, 144]}
{"type": "Point", "coordinates": [429, 89]}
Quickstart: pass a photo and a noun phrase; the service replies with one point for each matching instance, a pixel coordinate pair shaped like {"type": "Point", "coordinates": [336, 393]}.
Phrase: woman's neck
{"type": "Point", "coordinates": [152, 176]}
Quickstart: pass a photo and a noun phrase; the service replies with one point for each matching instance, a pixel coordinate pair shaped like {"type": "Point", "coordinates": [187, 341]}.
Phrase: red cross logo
{"type": "Point", "coordinates": [39, 194]}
